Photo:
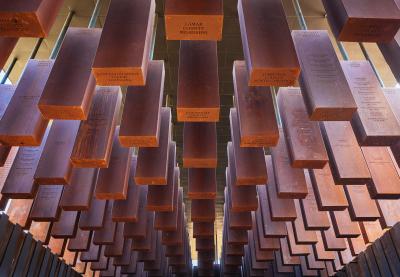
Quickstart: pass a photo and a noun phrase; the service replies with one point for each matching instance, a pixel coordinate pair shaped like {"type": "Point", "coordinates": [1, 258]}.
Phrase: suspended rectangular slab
{"type": "Point", "coordinates": [112, 182]}
{"type": "Point", "coordinates": [140, 123]}
{"type": "Point", "coordinates": [303, 137]}
{"type": "Point", "coordinates": [93, 219]}
{"type": "Point", "coordinates": [161, 198]}
{"type": "Point", "coordinates": [265, 35]}
{"type": "Point", "coordinates": [32, 19]}
{"type": "Point", "coordinates": [18, 212]}
{"type": "Point", "coordinates": [102, 263]}
{"type": "Point", "coordinates": [274, 229]}
{"type": "Point", "coordinates": [92, 254]}
{"type": "Point", "coordinates": [346, 158]}
{"type": "Point", "coordinates": [287, 258]}
{"type": "Point", "coordinates": [326, 94]}
{"type": "Point", "coordinates": [134, 266]}
{"type": "Point", "coordinates": [126, 210]}
{"type": "Point", "coordinates": [151, 254]}
{"type": "Point", "coordinates": [152, 162]}
{"type": "Point", "coordinates": [331, 242]}
{"type": "Point", "coordinates": [255, 109]}
{"type": "Point", "coordinates": [302, 236]}
{"type": "Point", "coordinates": [371, 230]}
{"type": "Point", "coordinates": [314, 219]}
{"type": "Point", "coordinates": [290, 182]}
{"type": "Point", "coordinates": [242, 198]}
{"type": "Point", "coordinates": [106, 234]}
{"type": "Point", "coordinates": [385, 181]}
{"type": "Point", "coordinates": [54, 166]}
{"type": "Point", "coordinates": [41, 231]}
{"type": "Point", "coordinates": [249, 161]}
{"type": "Point", "coordinates": [145, 243]}
{"type": "Point", "coordinates": [362, 207]}
{"type": "Point", "coordinates": [81, 242]}
{"type": "Point", "coordinates": [128, 23]}
{"type": "Point", "coordinates": [329, 195]}
{"type": "Point", "coordinates": [95, 135]}
{"type": "Point", "coordinates": [294, 248]}
{"type": "Point", "coordinates": [343, 226]}
{"type": "Point", "coordinates": [357, 245]}
{"type": "Point", "coordinates": [203, 210]}
{"type": "Point", "coordinates": [199, 145]}
{"type": "Point", "coordinates": [374, 22]}
{"type": "Point", "coordinates": [198, 89]}
{"type": "Point", "coordinates": [66, 226]}
{"type": "Point", "coordinates": [194, 20]}
{"type": "Point", "coordinates": [117, 247]}
{"type": "Point", "coordinates": [168, 221]}
{"type": "Point", "coordinates": [388, 210]}
{"type": "Point", "coordinates": [4, 171]}
{"type": "Point", "coordinates": [320, 252]}
{"type": "Point", "coordinates": [374, 123]}
{"type": "Point", "coordinates": [13, 251]}
{"type": "Point", "coordinates": [281, 209]}
{"type": "Point", "coordinates": [45, 207]}
{"type": "Point", "coordinates": [203, 229]}
{"type": "Point", "coordinates": [77, 196]}
{"type": "Point", "coordinates": [125, 259]}
{"type": "Point", "coordinates": [69, 91]}
{"type": "Point", "coordinates": [20, 181]}
{"type": "Point", "coordinates": [237, 220]}
{"type": "Point", "coordinates": [391, 52]}
{"type": "Point", "coordinates": [23, 107]}
{"type": "Point", "coordinates": [6, 93]}
{"type": "Point", "coordinates": [137, 230]}
{"type": "Point", "coordinates": [175, 237]}
{"type": "Point", "coordinates": [202, 183]}
{"type": "Point", "coordinates": [262, 243]}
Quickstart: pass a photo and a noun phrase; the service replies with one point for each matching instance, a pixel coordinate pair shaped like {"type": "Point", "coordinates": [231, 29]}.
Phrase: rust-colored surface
{"type": "Point", "coordinates": [45, 206]}
{"type": "Point", "coordinates": [168, 221]}
{"type": "Point", "coordinates": [81, 242]}
{"type": "Point", "coordinates": [95, 135]}
{"type": "Point", "coordinates": [54, 166]}
{"type": "Point", "coordinates": [106, 234]}
{"type": "Point", "coordinates": [7, 45]}
{"type": "Point", "coordinates": [265, 36]}
{"type": "Point", "coordinates": [371, 22]}
{"type": "Point", "coordinates": [243, 198]}
{"type": "Point", "coordinates": [161, 198]}
{"type": "Point", "coordinates": [112, 182]}
{"type": "Point", "coordinates": [202, 183]}
{"type": "Point", "coordinates": [346, 159]}
{"type": "Point", "coordinates": [199, 145]}
{"type": "Point", "coordinates": [249, 161]}
{"type": "Point", "coordinates": [126, 210]}
{"type": "Point", "coordinates": [198, 89]}
{"type": "Point", "coordinates": [329, 195]}
{"type": "Point", "coordinates": [124, 48]}
{"type": "Point", "coordinates": [290, 181]}
{"type": "Point", "coordinates": [193, 20]}
{"type": "Point", "coordinates": [152, 162]}
{"type": "Point", "coordinates": [385, 181]}
{"type": "Point", "coordinates": [77, 196]}
{"type": "Point", "coordinates": [326, 93]}
{"type": "Point", "coordinates": [23, 107]}
{"type": "Point", "coordinates": [18, 212]}
{"type": "Point", "coordinates": [256, 112]}
{"type": "Point", "coordinates": [343, 226]}
{"type": "Point", "coordinates": [93, 219]}
{"type": "Point", "coordinates": [281, 209]}
{"type": "Point", "coordinates": [203, 210]}
{"type": "Point", "coordinates": [305, 144]}
{"type": "Point", "coordinates": [374, 123]}
{"type": "Point", "coordinates": [69, 90]}
{"type": "Point", "coordinates": [28, 19]}
{"type": "Point", "coordinates": [140, 123]}
{"type": "Point", "coordinates": [362, 207]}
{"type": "Point", "coordinates": [314, 219]}
{"type": "Point", "coordinates": [66, 226]}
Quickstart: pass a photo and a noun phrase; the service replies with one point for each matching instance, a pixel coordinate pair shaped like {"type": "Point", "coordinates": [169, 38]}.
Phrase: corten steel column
{"type": "Point", "coordinates": [342, 50]}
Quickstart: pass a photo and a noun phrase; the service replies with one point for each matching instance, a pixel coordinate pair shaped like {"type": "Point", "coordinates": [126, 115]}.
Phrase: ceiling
{"type": "Point", "coordinates": [229, 49]}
